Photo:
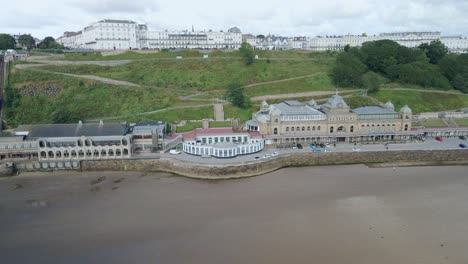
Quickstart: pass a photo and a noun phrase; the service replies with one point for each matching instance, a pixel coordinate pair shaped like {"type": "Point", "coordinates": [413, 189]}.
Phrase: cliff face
{"type": "Point", "coordinates": [300, 159]}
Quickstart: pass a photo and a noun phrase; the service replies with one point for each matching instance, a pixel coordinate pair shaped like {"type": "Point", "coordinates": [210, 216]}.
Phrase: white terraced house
{"type": "Point", "coordinates": [110, 34]}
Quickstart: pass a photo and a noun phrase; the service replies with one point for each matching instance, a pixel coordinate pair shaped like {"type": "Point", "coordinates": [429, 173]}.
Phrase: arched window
{"type": "Point", "coordinates": [406, 127]}
{"type": "Point", "coordinates": [51, 154]}
{"type": "Point", "coordinates": [318, 128]}
{"type": "Point", "coordinates": [341, 129]}
{"type": "Point", "coordinates": [73, 154]}
{"type": "Point", "coordinates": [331, 129]}
{"type": "Point", "coordinates": [313, 128]}
{"type": "Point", "coordinates": [292, 128]}
{"type": "Point", "coordinates": [298, 129]}
{"type": "Point", "coordinates": [351, 129]}
{"type": "Point", "coordinates": [81, 153]}
{"type": "Point", "coordinates": [125, 151]}
{"type": "Point", "coordinates": [43, 154]}
{"type": "Point", "coordinates": [275, 131]}
{"type": "Point", "coordinates": [287, 129]}
{"type": "Point", "coordinates": [303, 128]}
{"type": "Point", "coordinates": [58, 154]}
{"type": "Point", "coordinates": [42, 144]}
{"type": "Point", "coordinates": [308, 128]}
{"type": "Point", "coordinates": [103, 153]}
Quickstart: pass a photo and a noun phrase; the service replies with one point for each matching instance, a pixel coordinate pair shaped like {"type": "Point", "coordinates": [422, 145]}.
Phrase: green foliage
{"type": "Point", "coordinates": [424, 74]}
{"type": "Point", "coordinates": [358, 101]}
{"type": "Point", "coordinates": [455, 68]}
{"type": "Point", "coordinates": [49, 43]}
{"type": "Point", "coordinates": [203, 75]}
{"type": "Point", "coordinates": [247, 53]}
{"type": "Point", "coordinates": [435, 51]}
{"type": "Point", "coordinates": [236, 95]}
{"type": "Point", "coordinates": [7, 42]}
{"type": "Point", "coordinates": [220, 124]}
{"type": "Point", "coordinates": [81, 99]}
{"type": "Point", "coordinates": [379, 55]}
{"type": "Point", "coordinates": [189, 126]}
{"type": "Point", "coordinates": [423, 101]}
{"type": "Point", "coordinates": [348, 71]}
{"type": "Point", "coordinates": [26, 41]}
{"type": "Point", "coordinates": [372, 81]}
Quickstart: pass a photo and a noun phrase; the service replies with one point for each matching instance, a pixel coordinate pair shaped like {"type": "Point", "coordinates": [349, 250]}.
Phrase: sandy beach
{"type": "Point", "coordinates": [339, 214]}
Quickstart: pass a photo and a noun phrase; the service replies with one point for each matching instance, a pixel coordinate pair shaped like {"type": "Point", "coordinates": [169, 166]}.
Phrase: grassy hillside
{"type": "Point", "coordinates": [43, 96]}
{"type": "Point", "coordinates": [423, 101]}
{"type": "Point", "coordinates": [197, 74]}
{"type": "Point", "coordinates": [141, 55]}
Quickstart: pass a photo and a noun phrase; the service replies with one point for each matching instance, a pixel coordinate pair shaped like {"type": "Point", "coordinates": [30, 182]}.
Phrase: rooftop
{"type": "Point", "coordinates": [75, 130]}
{"type": "Point", "coordinates": [216, 131]}
{"type": "Point", "coordinates": [372, 110]}
{"type": "Point", "coordinates": [296, 108]}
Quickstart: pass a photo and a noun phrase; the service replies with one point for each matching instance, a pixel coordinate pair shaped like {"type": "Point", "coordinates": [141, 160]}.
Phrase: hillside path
{"type": "Point", "coordinates": [295, 95]}
{"type": "Point", "coordinates": [282, 80]}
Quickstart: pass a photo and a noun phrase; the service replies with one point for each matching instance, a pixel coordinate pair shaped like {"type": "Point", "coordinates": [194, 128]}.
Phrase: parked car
{"type": "Point", "coordinates": [462, 146]}
{"type": "Point", "coordinates": [313, 146]}
{"type": "Point", "coordinates": [299, 146]}
{"type": "Point", "coordinates": [316, 150]}
{"type": "Point", "coordinates": [274, 154]}
{"type": "Point", "coordinates": [356, 149]}
{"type": "Point", "coordinates": [440, 139]}
{"type": "Point", "coordinates": [462, 137]}
{"type": "Point", "coordinates": [256, 158]}
{"type": "Point", "coordinates": [322, 145]}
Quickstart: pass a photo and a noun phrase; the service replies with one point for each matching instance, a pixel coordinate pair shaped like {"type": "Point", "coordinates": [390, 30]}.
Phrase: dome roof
{"type": "Point", "coordinates": [406, 110]}
{"type": "Point", "coordinates": [389, 105]}
{"type": "Point", "coordinates": [264, 104]}
{"type": "Point", "coordinates": [312, 103]}
{"type": "Point", "coordinates": [336, 101]}
{"type": "Point", "coordinates": [234, 30]}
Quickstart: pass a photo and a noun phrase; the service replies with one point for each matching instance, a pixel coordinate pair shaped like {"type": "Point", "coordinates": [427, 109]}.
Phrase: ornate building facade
{"type": "Point", "coordinates": [293, 122]}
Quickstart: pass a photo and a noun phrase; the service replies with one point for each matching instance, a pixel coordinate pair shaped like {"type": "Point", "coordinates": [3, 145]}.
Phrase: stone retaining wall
{"type": "Point", "coordinates": [206, 171]}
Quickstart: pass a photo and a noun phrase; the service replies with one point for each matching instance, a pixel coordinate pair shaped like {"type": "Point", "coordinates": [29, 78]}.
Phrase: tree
{"type": "Point", "coordinates": [379, 55]}
{"type": "Point", "coordinates": [49, 43]}
{"type": "Point", "coordinates": [7, 42]}
{"type": "Point", "coordinates": [26, 41]}
{"type": "Point", "coordinates": [435, 51]}
{"type": "Point", "coordinates": [261, 36]}
{"type": "Point", "coordinates": [247, 53]}
{"type": "Point", "coordinates": [64, 116]}
{"type": "Point", "coordinates": [424, 74]}
{"type": "Point", "coordinates": [372, 81]}
{"type": "Point", "coordinates": [346, 48]}
{"type": "Point", "coordinates": [235, 95]}
{"type": "Point", "coordinates": [408, 55]}
{"type": "Point", "coordinates": [348, 71]}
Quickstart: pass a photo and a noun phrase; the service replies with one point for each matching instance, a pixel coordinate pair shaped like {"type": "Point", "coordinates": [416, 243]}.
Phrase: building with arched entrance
{"type": "Point", "coordinates": [81, 141]}
{"type": "Point", "coordinates": [291, 122]}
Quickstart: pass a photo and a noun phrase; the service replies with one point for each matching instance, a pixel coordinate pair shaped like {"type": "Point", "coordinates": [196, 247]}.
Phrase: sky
{"type": "Point", "coordinates": [279, 17]}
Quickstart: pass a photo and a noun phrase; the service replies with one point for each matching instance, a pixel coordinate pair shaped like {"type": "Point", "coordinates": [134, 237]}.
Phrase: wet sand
{"type": "Point", "coordinates": [341, 214]}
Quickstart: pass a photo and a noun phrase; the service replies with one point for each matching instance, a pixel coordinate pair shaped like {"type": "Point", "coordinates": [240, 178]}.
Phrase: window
{"type": "Point", "coordinates": [318, 128]}
{"type": "Point", "coordinates": [303, 128]}
{"type": "Point", "coordinates": [308, 128]}
{"type": "Point", "coordinates": [287, 129]}
{"type": "Point", "coordinates": [351, 129]}
{"type": "Point", "coordinates": [292, 128]}
{"type": "Point", "coordinates": [331, 129]}
{"type": "Point", "coordinates": [275, 131]}
{"type": "Point", "coordinates": [298, 128]}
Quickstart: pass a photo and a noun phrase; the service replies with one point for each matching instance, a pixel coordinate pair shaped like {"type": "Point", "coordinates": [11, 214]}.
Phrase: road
{"type": "Point", "coordinates": [430, 144]}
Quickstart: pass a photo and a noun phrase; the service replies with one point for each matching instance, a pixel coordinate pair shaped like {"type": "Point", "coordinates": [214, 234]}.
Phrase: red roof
{"type": "Point", "coordinates": [216, 131]}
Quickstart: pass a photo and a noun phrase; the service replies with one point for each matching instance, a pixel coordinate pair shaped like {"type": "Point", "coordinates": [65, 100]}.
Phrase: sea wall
{"type": "Point", "coordinates": [225, 171]}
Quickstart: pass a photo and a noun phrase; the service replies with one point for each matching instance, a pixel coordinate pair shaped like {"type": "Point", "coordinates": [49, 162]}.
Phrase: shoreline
{"type": "Point", "coordinates": [215, 171]}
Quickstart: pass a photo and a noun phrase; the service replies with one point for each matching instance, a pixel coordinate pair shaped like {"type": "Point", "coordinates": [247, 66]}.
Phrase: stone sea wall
{"type": "Point", "coordinates": [225, 171]}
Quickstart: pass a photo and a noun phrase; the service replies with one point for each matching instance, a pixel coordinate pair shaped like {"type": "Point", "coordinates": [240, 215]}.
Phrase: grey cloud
{"type": "Point", "coordinates": [117, 6]}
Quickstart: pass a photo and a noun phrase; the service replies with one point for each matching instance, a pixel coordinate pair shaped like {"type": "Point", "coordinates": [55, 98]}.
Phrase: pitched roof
{"type": "Point", "coordinates": [75, 130]}
{"type": "Point", "coordinates": [372, 110]}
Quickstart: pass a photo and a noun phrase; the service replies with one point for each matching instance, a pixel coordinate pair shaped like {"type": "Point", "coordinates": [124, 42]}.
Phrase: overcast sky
{"type": "Point", "coordinates": [289, 18]}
